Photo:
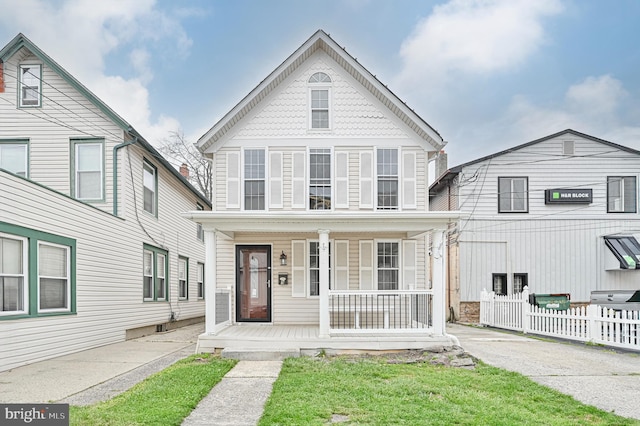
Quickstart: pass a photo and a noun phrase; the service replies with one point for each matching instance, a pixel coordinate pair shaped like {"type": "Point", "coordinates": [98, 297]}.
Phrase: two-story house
{"type": "Point", "coordinates": [558, 214]}
{"type": "Point", "coordinates": [320, 224]}
{"type": "Point", "coordinates": [93, 247]}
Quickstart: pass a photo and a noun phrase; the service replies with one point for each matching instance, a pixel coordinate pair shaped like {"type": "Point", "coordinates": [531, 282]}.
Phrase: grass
{"type": "Point", "coordinates": [372, 392]}
{"type": "Point", "coordinates": [164, 398]}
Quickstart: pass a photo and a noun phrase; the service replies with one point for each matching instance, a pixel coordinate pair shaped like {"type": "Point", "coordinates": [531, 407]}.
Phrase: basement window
{"type": "Point", "coordinates": [626, 249]}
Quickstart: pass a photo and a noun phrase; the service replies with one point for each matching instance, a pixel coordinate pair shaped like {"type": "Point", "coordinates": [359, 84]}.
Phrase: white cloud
{"type": "Point", "coordinates": [81, 34]}
{"type": "Point", "coordinates": [473, 36]}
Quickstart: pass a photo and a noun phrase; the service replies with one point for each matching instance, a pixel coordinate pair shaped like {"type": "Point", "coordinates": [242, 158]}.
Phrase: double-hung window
{"type": "Point", "coordinates": [183, 278]}
{"type": "Point", "coordinates": [314, 268]}
{"type": "Point", "coordinates": [513, 195]}
{"type": "Point", "coordinates": [254, 179]}
{"type": "Point", "coordinates": [200, 280]}
{"type": "Point", "coordinates": [53, 278]}
{"type": "Point", "coordinates": [499, 284]}
{"type": "Point", "coordinates": [520, 281]}
{"type": "Point", "coordinates": [388, 261]}
{"type": "Point", "coordinates": [319, 94]}
{"type": "Point", "coordinates": [13, 275]}
{"type": "Point", "coordinates": [387, 175]}
{"type": "Point", "coordinates": [30, 85]}
{"type": "Point", "coordinates": [621, 194]}
{"type": "Point", "coordinates": [155, 271]}
{"type": "Point", "coordinates": [13, 156]}
{"type": "Point", "coordinates": [320, 179]}
{"type": "Point", "coordinates": [150, 188]}
{"type": "Point", "coordinates": [88, 169]}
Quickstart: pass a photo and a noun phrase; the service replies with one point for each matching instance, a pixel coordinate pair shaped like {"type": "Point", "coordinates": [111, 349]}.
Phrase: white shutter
{"type": "Point", "coordinates": [275, 180]}
{"type": "Point", "coordinates": [233, 180]}
{"type": "Point", "coordinates": [298, 268]}
{"type": "Point", "coordinates": [342, 180]}
{"type": "Point", "coordinates": [298, 183]}
{"type": "Point", "coordinates": [409, 180]}
{"type": "Point", "coordinates": [366, 180]}
{"type": "Point", "coordinates": [409, 259]}
{"type": "Point", "coordinates": [366, 265]}
{"type": "Point", "coordinates": [341, 265]}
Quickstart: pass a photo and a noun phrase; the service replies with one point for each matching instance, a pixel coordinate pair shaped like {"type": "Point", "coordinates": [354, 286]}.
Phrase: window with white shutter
{"type": "Point", "coordinates": [341, 265]}
{"type": "Point", "coordinates": [298, 268]}
{"type": "Point", "coordinates": [298, 184]}
{"type": "Point", "coordinates": [275, 180]}
{"type": "Point", "coordinates": [366, 265]}
{"type": "Point", "coordinates": [366, 180]}
{"type": "Point", "coordinates": [409, 260]}
{"type": "Point", "coordinates": [409, 180]}
{"type": "Point", "coordinates": [233, 180]}
{"type": "Point", "coordinates": [342, 180]}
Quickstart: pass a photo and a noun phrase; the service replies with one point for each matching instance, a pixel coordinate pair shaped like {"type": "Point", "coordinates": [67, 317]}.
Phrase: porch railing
{"type": "Point", "coordinates": [380, 311]}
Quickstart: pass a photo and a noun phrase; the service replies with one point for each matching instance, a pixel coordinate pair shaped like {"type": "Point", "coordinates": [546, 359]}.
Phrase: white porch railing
{"type": "Point", "coordinates": [380, 311]}
{"type": "Point", "coordinates": [595, 324]}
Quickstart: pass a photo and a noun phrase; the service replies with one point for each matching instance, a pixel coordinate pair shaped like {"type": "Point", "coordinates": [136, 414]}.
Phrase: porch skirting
{"type": "Point", "coordinates": [306, 339]}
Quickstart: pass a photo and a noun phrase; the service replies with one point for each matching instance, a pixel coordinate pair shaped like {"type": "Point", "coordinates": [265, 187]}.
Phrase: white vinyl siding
{"type": "Point", "coordinates": [14, 157]}
{"type": "Point", "coordinates": [233, 180]}
{"type": "Point", "coordinates": [342, 180]}
{"type": "Point", "coordinates": [275, 180]}
{"type": "Point", "coordinates": [298, 191]}
{"type": "Point", "coordinates": [366, 179]}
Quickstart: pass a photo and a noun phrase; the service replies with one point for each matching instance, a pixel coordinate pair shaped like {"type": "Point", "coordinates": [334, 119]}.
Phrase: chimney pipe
{"type": "Point", "coordinates": [184, 170]}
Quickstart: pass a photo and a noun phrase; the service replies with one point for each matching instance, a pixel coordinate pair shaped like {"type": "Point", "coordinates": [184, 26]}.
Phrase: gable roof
{"type": "Point", "coordinates": [322, 41]}
{"type": "Point", "coordinates": [21, 41]}
{"type": "Point", "coordinates": [454, 171]}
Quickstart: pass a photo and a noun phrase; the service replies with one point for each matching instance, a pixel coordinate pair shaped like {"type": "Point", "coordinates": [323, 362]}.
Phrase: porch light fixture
{"type": "Point", "coordinates": [283, 259]}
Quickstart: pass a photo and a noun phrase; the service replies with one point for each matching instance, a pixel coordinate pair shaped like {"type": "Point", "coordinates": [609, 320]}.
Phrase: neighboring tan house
{"type": "Point", "coordinates": [558, 214]}
{"type": "Point", "coordinates": [93, 247]}
{"type": "Point", "coordinates": [320, 226]}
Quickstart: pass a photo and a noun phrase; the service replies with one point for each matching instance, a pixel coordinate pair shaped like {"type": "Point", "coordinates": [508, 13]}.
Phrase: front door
{"type": "Point", "coordinates": [253, 283]}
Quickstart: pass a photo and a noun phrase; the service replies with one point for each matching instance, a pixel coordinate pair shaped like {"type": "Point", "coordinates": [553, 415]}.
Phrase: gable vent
{"type": "Point", "coordinates": [568, 148]}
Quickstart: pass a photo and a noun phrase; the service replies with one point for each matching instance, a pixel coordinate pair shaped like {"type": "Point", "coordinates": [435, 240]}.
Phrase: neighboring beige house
{"type": "Point", "coordinates": [320, 226]}
{"type": "Point", "coordinates": [93, 247]}
{"type": "Point", "coordinates": [558, 214]}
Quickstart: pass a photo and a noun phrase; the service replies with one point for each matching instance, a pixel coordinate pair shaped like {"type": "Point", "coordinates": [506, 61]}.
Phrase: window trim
{"type": "Point", "coordinates": [68, 274]}
{"type": "Point", "coordinates": [25, 275]}
{"type": "Point", "coordinates": [525, 281]}
{"type": "Point", "coordinates": [622, 193]}
{"type": "Point", "coordinates": [185, 260]}
{"type": "Point", "coordinates": [331, 178]}
{"type": "Point", "coordinates": [148, 166]}
{"type": "Point", "coordinates": [75, 143]}
{"type": "Point", "coordinates": [154, 267]}
{"type": "Point", "coordinates": [309, 268]}
{"type": "Point", "coordinates": [21, 103]}
{"type": "Point", "coordinates": [200, 280]}
{"type": "Point", "coordinates": [377, 179]}
{"type": "Point", "coordinates": [324, 85]}
{"type": "Point", "coordinates": [26, 144]}
{"type": "Point", "coordinates": [505, 290]}
{"type": "Point", "coordinates": [526, 192]}
{"type": "Point", "coordinates": [34, 238]}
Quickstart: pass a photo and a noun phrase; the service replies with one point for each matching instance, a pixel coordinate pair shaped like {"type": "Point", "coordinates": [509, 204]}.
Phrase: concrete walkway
{"type": "Point", "coordinates": [239, 398]}
{"type": "Point", "coordinates": [602, 377]}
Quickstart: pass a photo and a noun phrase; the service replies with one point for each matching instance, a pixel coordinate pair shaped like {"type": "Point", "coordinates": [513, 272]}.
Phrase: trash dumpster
{"type": "Point", "coordinates": [557, 301]}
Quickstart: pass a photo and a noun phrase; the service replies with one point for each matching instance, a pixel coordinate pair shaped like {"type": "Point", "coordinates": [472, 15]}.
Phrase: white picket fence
{"type": "Point", "coordinates": [592, 323]}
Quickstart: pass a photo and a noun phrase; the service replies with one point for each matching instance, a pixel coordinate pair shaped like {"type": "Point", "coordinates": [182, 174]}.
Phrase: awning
{"type": "Point", "coordinates": [626, 249]}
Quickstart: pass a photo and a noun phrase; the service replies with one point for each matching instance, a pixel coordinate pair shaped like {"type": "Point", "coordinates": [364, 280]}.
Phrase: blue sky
{"type": "Point", "coordinates": [487, 74]}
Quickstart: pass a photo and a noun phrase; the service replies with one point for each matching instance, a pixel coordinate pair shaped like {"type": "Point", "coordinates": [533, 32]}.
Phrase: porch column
{"type": "Point", "coordinates": [210, 281]}
{"type": "Point", "coordinates": [324, 283]}
{"type": "Point", "coordinates": [439, 251]}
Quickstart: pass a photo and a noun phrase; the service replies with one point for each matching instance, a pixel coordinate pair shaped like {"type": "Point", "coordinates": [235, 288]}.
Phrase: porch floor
{"type": "Point", "coordinates": [305, 339]}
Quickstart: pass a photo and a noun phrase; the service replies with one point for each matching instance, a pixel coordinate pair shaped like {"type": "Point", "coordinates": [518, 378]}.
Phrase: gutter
{"type": "Point", "coordinates": [115, 171]}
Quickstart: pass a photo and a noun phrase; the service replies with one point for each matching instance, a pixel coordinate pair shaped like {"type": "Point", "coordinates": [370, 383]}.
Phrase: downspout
{"type": "Point", "coordinates": [115, 172]}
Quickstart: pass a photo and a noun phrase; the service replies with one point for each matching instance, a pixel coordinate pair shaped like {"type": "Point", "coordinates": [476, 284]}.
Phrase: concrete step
{"type": "Point", "coordinates": [253, 354]}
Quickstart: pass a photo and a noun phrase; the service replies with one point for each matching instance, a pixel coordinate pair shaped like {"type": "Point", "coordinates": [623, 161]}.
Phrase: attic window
{"type": "Point", "coordinates": [625, 249]}
{"type": "Point", "coordinates": [30, 85]}
{"type": "Point", "coordinates": [319, 101]}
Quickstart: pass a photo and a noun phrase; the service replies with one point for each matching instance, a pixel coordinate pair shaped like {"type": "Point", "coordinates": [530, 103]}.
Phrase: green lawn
{"type": "Point", "coordinates": [370, 391]}
{"type": "Point", "coordinates": [165, 398]}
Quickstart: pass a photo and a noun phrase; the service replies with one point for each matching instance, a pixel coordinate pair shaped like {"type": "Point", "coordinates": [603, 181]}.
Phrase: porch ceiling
{"type": "Point", "coordinates": [412, 223]}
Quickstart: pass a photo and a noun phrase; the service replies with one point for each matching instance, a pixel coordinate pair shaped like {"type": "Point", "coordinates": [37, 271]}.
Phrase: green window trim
{"type": "Point", "coordinates": [183, 280]}
{"type": "Point", "coordinates": [200, 280]}
{"type": "Point", "coordinates": [74, 145]}
{"type": "Point", "coordinates": [34, 238]}
{"type": "Point", "coordinates": [148, 167]}
{"type": "Point", "coordinates": [27, 68]}
{"type": "Point", "coordinates": [156, 293]}
{"type": "Point", "coordinates": [25, 142]}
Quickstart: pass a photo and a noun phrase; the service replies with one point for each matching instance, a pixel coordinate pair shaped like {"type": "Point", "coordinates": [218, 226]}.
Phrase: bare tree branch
{"type": "Point", "coordinates": [181, 152]}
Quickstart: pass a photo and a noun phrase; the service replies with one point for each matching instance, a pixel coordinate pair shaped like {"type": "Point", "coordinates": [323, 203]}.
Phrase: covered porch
{"type": "Point", "coordinates": [359, 316]}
